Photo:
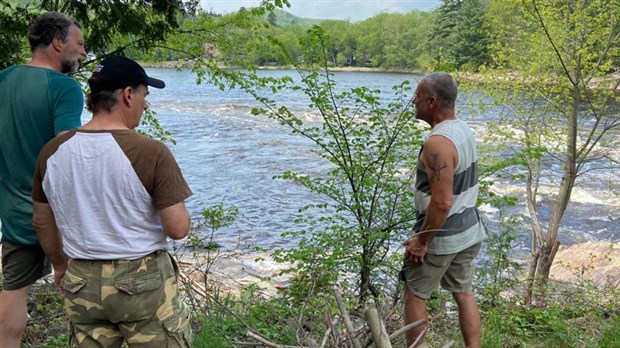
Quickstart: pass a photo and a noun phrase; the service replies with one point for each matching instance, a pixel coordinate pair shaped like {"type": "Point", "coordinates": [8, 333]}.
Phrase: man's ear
{"type": "Point", "coordinates": [127, 92]}
{"type": "Point", "coordinates": [57, 43]}
{"type": "Point", "coordinates": [432, 101]}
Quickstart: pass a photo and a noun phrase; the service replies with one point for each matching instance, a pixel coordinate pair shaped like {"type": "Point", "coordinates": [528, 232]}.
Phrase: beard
{"type": "Point", "coordinates": [69, 66]}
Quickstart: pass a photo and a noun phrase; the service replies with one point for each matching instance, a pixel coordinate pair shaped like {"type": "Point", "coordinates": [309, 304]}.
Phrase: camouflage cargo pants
{"type": "Point", "coordinates": [109, 302]}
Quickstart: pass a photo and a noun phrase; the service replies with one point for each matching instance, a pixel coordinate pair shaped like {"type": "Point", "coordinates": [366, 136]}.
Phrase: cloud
{"type": "Point", "coordinates": [354, 10]}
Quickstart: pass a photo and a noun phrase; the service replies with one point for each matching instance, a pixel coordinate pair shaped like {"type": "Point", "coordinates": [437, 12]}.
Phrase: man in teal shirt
{"type": "Point", "coordinates": [37, 102]}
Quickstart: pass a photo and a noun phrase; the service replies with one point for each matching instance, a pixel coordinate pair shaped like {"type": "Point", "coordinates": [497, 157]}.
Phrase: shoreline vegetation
{"type": "Point", "coordinates": [180, 64]}
{"type": "Point", "coordinates": [609, 81]}
{"type": "Point", "coordinates": [212, 280]}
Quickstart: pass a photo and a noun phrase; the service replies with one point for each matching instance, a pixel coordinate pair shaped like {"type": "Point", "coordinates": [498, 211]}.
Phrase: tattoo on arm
{"type": "Point", "coordinates": [436, 165]}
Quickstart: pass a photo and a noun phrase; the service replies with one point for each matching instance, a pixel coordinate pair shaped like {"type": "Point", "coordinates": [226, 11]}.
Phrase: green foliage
{"type": "Point", "coordinates": [611, 336]}
{"type": "Point", "coordinates": [510, 325]}
{"type": "Point", "coordinates": [284, 19]}
{"type": "Point", "coordinates": [14, 46]}
{"type": "Point", "coordinates": [269, 318]}
{"type": "Point", "coordinates": [470, 48]}
{"type": "Point", "coordinates": [368, 144]}
{"type": "Point", "coordinates": [214, 218]}
{"type": "Point", "coordinates": [47, 322]}
{"type": "Point", "coordinates": [443, 35]}
{"type": "Point", "coordinates": [248, 37]}
{"type": "Point", "coordinates": [556, 109]}
{"type": "Point", "coordinates": [142, 23]}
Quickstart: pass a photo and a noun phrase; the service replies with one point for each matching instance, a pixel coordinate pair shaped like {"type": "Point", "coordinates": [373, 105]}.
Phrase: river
{"type": "Point", "coordinates": [227, 155]}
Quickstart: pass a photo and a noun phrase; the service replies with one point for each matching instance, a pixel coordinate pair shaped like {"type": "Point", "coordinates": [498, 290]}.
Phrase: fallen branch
{"type": "Point", "coordinates": [377, 329]}
{"type": "Point", "coordinates": [266, 342]}
{"type": "Point", "coordinates": [328, 332]}
{"type": "Point", "coordinates": [420, 338]}
{"type": "Point", "coordinates": [406, 328]}
{"type": "Point", "coordinates": [345, 316]}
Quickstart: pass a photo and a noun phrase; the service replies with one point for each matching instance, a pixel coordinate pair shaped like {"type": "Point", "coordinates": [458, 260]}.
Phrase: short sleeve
{"type": "Point", "coordinates": [69, 106]}
{"type": "Point", "coordinates": [169, 185]}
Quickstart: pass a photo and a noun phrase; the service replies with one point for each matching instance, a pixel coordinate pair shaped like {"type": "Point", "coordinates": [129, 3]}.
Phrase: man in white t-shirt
{"type": "Point", "coordinates": [105, 201]}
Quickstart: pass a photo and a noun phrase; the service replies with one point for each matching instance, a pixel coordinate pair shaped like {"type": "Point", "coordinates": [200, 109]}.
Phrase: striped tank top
{"type": "Point", "coordinates": [463, 227]}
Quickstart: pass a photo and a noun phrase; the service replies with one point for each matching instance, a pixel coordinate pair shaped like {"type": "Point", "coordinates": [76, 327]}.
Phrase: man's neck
{"type": "Point", "coordinates": [41, 59]}
{"type": "Point", "coordinates": [443, 115]}
{"type": "Point", "coordinates": [105, 121]}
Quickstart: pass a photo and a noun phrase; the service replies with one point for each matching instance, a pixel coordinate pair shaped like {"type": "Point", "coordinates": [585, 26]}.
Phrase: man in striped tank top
{"type": "Point", "coordinates": [448, 232]}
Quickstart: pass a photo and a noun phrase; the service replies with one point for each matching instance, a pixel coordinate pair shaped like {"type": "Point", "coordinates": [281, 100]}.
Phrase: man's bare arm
{"type": "Point", "coordinates": [440, 158]}
{"type": "Point", "coordinates": [49, 237]}
{"type": "Point", "coordinates": [175, 220]}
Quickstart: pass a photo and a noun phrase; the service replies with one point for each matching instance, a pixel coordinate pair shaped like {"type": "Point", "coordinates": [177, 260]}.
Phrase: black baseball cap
{"type": "Point", "coordinates": [115, 72]}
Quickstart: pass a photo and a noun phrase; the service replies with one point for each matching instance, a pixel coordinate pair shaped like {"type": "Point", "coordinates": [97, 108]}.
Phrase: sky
{"type": "Point", "coordinates": [353, 10]}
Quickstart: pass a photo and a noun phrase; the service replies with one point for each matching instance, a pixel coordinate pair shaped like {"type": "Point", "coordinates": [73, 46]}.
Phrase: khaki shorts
{"type": "Point", "coordinates": [22, 265]}
{"type": "Point", "coordinates": [108, 302]}
{"type": "Point", "coordinates": [453, 271]}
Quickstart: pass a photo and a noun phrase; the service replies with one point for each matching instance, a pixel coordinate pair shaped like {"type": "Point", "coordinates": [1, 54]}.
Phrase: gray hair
{"type": "Point", "coordinates": [49, 26]}
{"type": "Point", "coordinates": [443, 86]}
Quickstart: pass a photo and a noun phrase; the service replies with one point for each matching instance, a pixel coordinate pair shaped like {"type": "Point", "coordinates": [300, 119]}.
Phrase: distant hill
{"type": "Point", "coordinates": [285, 19]}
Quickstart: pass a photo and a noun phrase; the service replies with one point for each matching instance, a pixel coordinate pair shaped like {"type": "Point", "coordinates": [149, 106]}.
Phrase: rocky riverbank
{"type": "Point", "coordinates": [230, 272]}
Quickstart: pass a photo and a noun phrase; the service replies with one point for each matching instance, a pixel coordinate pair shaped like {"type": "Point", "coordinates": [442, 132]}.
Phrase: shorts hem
{"type": "Point", "coordinates": [21, 285]}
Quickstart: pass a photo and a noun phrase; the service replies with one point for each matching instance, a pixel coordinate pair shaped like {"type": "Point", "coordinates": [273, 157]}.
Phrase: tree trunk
{"type": "Point", "coordinates": [543, 270]}
{"type": "Point", "coordinates": [531, 275]}
{"type": "Point", "coordinates": [364, 280]}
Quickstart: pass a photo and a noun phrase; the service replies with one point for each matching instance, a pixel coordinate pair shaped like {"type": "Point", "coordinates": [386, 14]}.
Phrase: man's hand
{"type": "Point", "coordinates": [59, 272]}
{"type": "Point", "coordinates": [415, 250]}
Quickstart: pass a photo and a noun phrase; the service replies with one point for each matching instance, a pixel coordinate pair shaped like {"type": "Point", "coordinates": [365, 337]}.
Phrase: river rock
{"type": "Point", "coordinates": [598, 262]}
{"type": "Point", "coordinates": [231, 272]}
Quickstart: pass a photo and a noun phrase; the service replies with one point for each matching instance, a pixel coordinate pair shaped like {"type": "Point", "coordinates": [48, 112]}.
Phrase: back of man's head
{"type": "Point", "coordinates": [111, 75]}
{"type": "Point", "coordinates": [443, 86]}
{"type": "Point", "coordinates": [49, 26]}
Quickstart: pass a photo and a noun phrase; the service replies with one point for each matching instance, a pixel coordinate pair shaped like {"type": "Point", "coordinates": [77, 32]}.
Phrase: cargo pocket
{"type": "Point", "coordinates": [74, 300]}
{"type": "Point", "coordinates": [178, 329]}
{"type": "Point", "coordinates": [138, 296]}
{"type": "Point", "coordinates": [72, 283]}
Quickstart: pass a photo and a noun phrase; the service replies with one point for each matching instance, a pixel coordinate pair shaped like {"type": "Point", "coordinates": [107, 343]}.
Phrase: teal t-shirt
{"type": "Point", "coordinates": [35, 105]}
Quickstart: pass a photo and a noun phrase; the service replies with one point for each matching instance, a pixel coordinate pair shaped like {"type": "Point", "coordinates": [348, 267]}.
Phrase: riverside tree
{"type": "Point", "coordinates": [558, 101]}
{"type": "Point", "coordinates": [369, 146]}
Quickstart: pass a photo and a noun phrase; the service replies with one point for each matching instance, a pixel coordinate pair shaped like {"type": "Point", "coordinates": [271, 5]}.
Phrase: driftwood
{"type": "Point", "coordinates": [377, 328]}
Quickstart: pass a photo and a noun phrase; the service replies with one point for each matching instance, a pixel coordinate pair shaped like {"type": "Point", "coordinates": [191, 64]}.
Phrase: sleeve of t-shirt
{"type": "Point", "coordinates": [69, 106]}
{"type": "Point", "coordinates": [169, 185]}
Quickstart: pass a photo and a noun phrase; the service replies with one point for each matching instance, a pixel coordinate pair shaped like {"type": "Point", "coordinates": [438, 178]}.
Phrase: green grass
{"type": "Point", "coordinates": [578, 315]}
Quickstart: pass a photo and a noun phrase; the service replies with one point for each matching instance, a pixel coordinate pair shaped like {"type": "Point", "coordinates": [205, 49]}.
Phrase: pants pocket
{"type": "Point", "coordinates": [140, 283]}
{"type": "Point", "coordinates": [178, 329]}
{"type": "Point", "coordinates": [78, 301]}
{"type": "Point", "coordinates": [137, 297]}
{"type": "Point", "coordinates": [72, 283]}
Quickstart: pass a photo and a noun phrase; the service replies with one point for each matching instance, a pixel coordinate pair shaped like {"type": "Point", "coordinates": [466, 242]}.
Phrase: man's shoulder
{"type": "Point", "coordinates": [61, 80]}
{"type": "Point", "coordinates": [438, 139]}
{"type": "Point", "coordinates": [52, 146]}
{"type": "Point", "coordinates": [7, 71]}
{"type": "Point", "coordinates": [149, 144]}
{"type": "Point", "coordinates": [25, 74]}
